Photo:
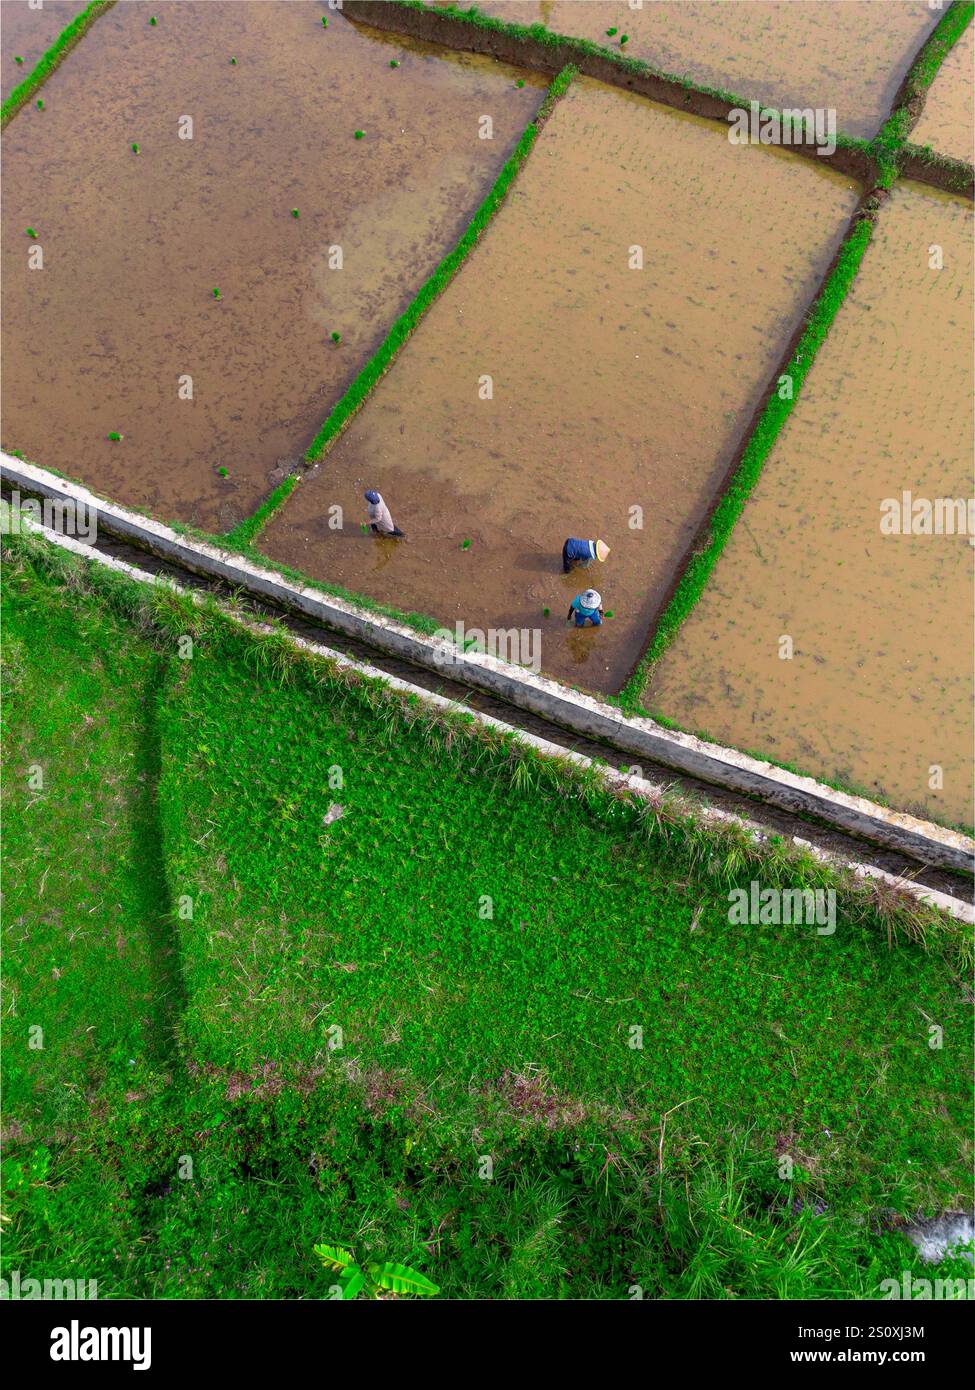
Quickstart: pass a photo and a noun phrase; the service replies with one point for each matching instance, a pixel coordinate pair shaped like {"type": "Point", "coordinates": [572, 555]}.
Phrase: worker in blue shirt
{"type": "Point", "coordinates": [576, 552]}
{"type": "Point", "coordinates": [587, 608]}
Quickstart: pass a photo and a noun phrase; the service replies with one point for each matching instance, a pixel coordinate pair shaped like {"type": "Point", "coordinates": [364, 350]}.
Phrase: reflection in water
{"type": "Point", "coordinates": [579, 644]}
{"type": "Point", "coordinates": [383, 552]}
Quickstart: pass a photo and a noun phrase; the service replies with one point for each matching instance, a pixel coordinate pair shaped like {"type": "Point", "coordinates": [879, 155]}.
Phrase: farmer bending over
{"type": "Point", "coordinates": [380, 521]}
{"type": "Point", "coordinates": [587, 607]}
{"type": "Point", "coordinates": [576, 552]}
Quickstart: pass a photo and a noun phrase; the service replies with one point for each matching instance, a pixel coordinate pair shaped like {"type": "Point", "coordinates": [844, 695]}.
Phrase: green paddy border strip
{"type": "Point", "coordinates": [52, 59]}
{"type": "Point", "coordinates": [941, 171]}
{"type": "Point", "coordinates": [910, 98]}
{"type": "Point", "coordinates": [732, 502]}
{"type": "Point", "coordinates": [888, 146]}
{"type": "Point", "coordinates": [538, 33]}
{"type": "Point", "coordinates": [355, 395]}
{"type": "Point", "coordinates": [674, 90]}
{"type": "Point", "coordinates": [923, 162]}
{"type": "Point", "coordinates": [873, 162]}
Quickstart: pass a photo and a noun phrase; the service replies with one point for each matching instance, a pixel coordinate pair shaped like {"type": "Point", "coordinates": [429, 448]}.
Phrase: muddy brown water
{"type": "Point", "coordinates": [134, 244]}
{"type": "Point", "coordinates": [847, 54]}
{"type": "Point", "coordinates": [947, 123]}
{"type": "Point", "coordinates": [613, 388]}
{"type": "Point", "coordinates": [878, 690]}
{"type": "Point", "coordinates": [28, 33]}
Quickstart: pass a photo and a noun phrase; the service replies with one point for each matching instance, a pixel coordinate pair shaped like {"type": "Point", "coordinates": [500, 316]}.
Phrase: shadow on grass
{"type": "Point", "coordinates": [151, 886]}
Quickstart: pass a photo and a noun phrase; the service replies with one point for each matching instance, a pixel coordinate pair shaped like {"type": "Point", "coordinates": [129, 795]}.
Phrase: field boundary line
{"type": "Point", "coordinates": [641, 736]}
{"type": "Point", "coordinates": [872, 161]}
{"type": "Point", "coordinates": [693, 573]}
{"type": "Point", "coordinates": [612, 779]}
{"type": "Point", "coordinates": [931, 167]}
{"type": "Point", "coordinates": [691, 578]}
{"type": "Point", "coordinates": [534, 46]}
{"type": "Point", "coordinates": [50, 61]}
{"type": "Point", "coordinates": [355, 395]}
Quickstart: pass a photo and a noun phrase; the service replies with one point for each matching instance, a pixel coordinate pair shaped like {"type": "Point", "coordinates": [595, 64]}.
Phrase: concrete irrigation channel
{"type": "Point", "coordinates": [927, 858]}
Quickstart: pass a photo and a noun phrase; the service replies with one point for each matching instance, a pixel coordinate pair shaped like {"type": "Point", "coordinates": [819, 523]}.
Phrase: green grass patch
{"type": "Point", "coordinates": [514, 1026]}
{"type": "Point", "coordinates": [52, 59]}
{"type": "Point", "coordinates": [89, 951]}
{"type": "Point", "coordinates": [894, 132]}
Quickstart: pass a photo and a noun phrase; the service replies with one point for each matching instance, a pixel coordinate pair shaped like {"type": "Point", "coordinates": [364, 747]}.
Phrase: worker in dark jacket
{"type": "Point", "coordinates": [576, 552]}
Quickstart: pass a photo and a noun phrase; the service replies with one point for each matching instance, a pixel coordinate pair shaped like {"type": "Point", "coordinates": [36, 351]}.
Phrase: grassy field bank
{"type": "Point", "coordinates": [213, 1130]}
{"type": "Point", "coordinates": [850, 58]}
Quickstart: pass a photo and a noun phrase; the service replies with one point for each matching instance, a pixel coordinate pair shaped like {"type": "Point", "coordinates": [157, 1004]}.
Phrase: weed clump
{"type": "Point", "coordinates": [114, 436]}
{"type": "Point", "coordinates": [336, 337]}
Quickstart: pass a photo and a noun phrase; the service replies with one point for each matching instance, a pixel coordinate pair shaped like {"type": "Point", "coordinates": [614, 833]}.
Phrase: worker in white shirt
{"type": "Point", "coordinates": [380, 521]}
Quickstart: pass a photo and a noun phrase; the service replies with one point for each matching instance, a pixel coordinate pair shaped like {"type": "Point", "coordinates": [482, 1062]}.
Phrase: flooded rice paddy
{"type": "Point", "coordinates": [850, 55]}
{"type": "Point", "coordinates": [103, 337]}
{"type": "Point", "coordinates": [591, 371]}
{"type": "Point", "coordinates": [946, 122]}
{"type": "Point", "coordinates": [28, 33]}
{"type": "Point", "coordinates": [618, 395]}
{"type": "Point", "coordinates": [877, 693]}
